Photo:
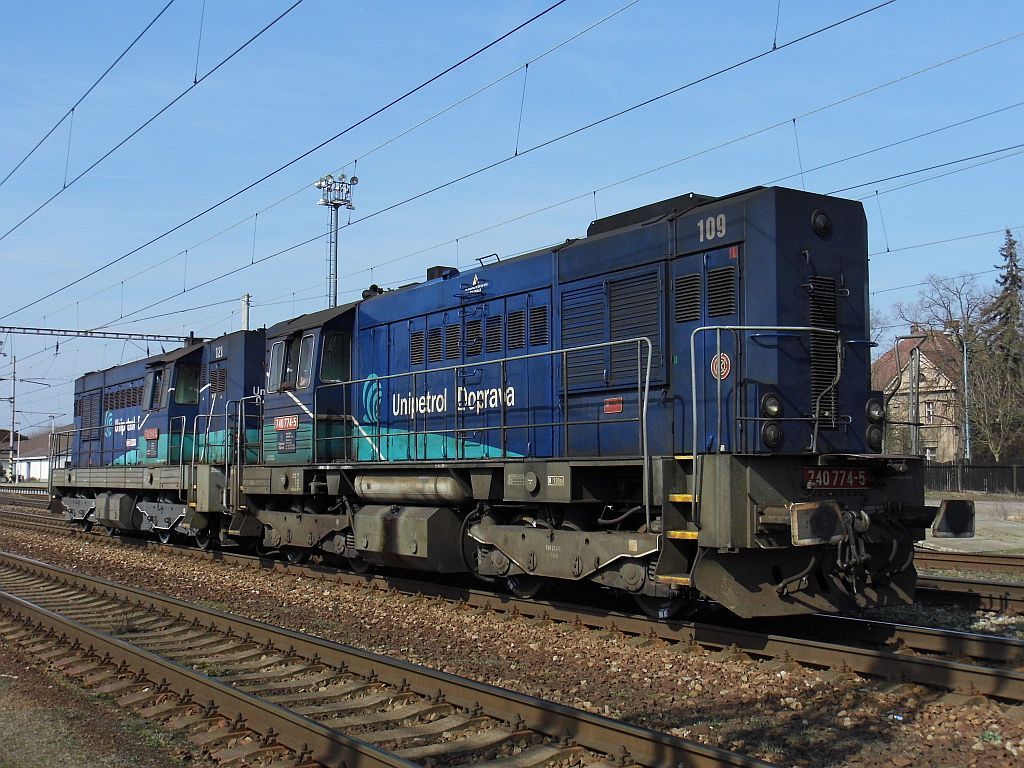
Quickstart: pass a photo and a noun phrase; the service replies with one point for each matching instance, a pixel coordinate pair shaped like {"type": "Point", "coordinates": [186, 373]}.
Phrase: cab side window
{"type": "Point", "coordinates": [335, 364]}
{"type": "Point", "coordinates": [305, 376]}
{"type": "Point", "coordinates": [186, 384]}
{"type": "Point", "coordinates": [155, 396]}
{"type": "Point", "coordinates": [276, 363]}
{"type": "Point", "coordinates": [284, 364]}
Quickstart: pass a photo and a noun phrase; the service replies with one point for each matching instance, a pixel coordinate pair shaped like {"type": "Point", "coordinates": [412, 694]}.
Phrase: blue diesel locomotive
{"type": "Point", "coordinates": [676, 406]}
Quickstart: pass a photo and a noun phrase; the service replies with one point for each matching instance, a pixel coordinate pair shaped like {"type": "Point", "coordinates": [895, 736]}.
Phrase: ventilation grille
{"type": "Point", "coordinates": [90, 410]}
{"type": "Point", "coordinates": [687, 289]}
{"type": "Point", "coordinates": [633, 312]}
{"type": "Point", "coordinates": [451, 341]}
{"type": "Point", "coordinates": [416, 348]}
{"type": "Point", "coordinates": [824, 358]}
{"type": "Point", "coordinates": [721, 291]}
{"type": "Point", "coordinates": [582, 324]}
{"type": "Point", "coordinates": [494, 326]}
{"type": "Point", "coordinates": [517, 329]}
{"type": "Point", "coordinates": [539, 333]}
{"type": "Point", "coordinates": [218, 380]}
{"type": "Point", "coordinates": [434, 345]}
{"type": "Point", "coordinates": [474, 337]}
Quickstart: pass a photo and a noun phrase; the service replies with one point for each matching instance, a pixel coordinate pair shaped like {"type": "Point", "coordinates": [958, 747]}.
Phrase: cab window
{"type": "Point", "coordinates": [155, 396]}
{"type": "Point", "coordinates": [335, 365]}
{"type": "Point", "coordinates": [186, 384]}
{"type": "Point", "coordinates": [284, 364]}
{"type": "Point", "coordinates": [276, 361]}
{"type": "Point", "coordinates": [305, 362]}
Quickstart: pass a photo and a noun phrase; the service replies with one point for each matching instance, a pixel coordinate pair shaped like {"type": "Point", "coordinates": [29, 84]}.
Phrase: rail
{"type": "Point", "coordinates": [51, 596]}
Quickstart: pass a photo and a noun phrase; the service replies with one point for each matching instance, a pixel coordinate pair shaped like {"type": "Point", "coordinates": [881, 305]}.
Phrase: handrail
{"type": "Point", "coordinates": [734, 329]}
{"type": "Point", "coordinates": [643, 372]}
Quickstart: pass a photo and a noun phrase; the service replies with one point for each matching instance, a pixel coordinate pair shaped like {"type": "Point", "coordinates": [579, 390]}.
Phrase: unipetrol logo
{"type": "Point", "coordinates": [371, 399]}
{"type": "Point", "coordinates": [109, 421]}
{"type": "Point", "coordinates": [476, 286]}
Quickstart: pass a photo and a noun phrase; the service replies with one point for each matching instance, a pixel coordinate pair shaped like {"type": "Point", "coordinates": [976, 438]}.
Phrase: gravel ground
{"type": "Point", "coordinates": [777, 711]}
{"type": "Point", "coordinates": [47, 721]}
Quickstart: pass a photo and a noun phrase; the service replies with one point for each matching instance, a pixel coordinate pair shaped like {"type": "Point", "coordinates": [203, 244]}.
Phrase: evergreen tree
{"type": "Point", "coordinates": [1003, 318]}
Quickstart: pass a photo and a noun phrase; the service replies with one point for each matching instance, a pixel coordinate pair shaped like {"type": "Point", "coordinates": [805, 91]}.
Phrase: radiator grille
{"type": "Point", "coordinates": [434, 345]}
{"type": "Point", "coordinates": [634, 313]}
{"type": "Point", "coordinates": [494, 327]}
{"type": "Point", "coordinates": [824, 360]}
{"type": "Point", "coordinates": [416, 348]}
{"type": "Point", "coordinates": [687, 289]}
{"type": "Point", "coordinates": [451, 341]}
{"type": "Point", "coordinates": [582, 324]}
{"type": "Point", "coordinates": [539, 326]}
{"type": "Point", "coordinates": [218, 380]}
{"type": "Point", "coordinates": [721, 291]}
{"type": "Point", "coordinates": [517, 329]}
{"type": "Point", "coordinates": [474, 337]}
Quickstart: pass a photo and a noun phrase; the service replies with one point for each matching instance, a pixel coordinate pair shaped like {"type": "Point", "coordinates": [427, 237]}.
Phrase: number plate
{"type": "Point", "coordinates": [835, 477]}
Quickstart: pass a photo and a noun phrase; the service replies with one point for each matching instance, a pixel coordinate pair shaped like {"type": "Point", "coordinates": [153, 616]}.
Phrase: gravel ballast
{"type": "Point", "coordinates": [774, 710]}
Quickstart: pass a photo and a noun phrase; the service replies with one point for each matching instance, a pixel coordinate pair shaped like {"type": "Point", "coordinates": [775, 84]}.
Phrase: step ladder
{"type": "Point", "coordinates": [679, 532]}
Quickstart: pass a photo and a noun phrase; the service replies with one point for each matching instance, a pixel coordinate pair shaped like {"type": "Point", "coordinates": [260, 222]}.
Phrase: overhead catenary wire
{"type": "Point", "coordinates": [71, 109]}
{"type": "Point", "coordinates": [588, 193]}
{"type": "Point", "coordinates": [292, 247]}
{"type": "Point", "coordinates": [130, 136]}
{"type": "Point", "coordinates": [829, 105]}
{"type": "Point", "coordinates": [288, 164]}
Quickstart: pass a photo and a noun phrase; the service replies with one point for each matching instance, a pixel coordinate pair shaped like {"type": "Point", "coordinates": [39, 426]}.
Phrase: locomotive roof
{"type": "Point", "coordinates": [310, 320]}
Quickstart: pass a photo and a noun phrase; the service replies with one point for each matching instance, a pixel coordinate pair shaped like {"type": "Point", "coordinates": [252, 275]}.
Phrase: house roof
{"type": "Point", "coordinates": [38, 445]}
{"type": "Point", "coordinates": [935, 346]}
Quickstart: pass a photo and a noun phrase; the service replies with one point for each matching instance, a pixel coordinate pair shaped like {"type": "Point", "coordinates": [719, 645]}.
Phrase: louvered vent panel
{"type": "Point", "coordinates": [474, 337]}
{"type": "Point", "coordinates": [721, 291]}
{"type": "Point", "coordinates": [219, 380]}
{"type": "Point", "coordinates": [451, 342]}
{"type": "Point", "coordinates": [539, 333]}
{"type": "Point", "coordinates": [434, 352]}
{"type": "Point", "coordinates": [517, 329]}
{"type": "Point", "coordinates": [633, 312]}
{"type": "Point", "coordinates": [824, 358]}
{"type": "Point", "coordinates": [494, 327]}
{"type": "Point", "coordinates": [416, 348]}
{"type": "Point", "coordinates": [203, 375]}
{"type": "Point", "coordinates": [687, 290]}
{"type": "Point", "coordinates": [583, 322]}
{"type": "Point", "coordinates": [78, 407]}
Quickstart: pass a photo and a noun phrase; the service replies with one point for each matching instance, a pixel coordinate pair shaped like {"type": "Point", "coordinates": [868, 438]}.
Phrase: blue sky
{"type": "Point", "coordinates": [326, 65]}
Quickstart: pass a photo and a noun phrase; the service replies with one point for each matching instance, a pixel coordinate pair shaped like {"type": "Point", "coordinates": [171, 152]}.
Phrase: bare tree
{"type": "Point", "coordinates": [955, 304]}
{"type": "Point", "coordinates": [997, 403]}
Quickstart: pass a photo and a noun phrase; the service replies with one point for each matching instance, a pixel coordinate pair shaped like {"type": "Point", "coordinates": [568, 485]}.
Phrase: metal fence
{"type": "Point", "coordinates": [987, 478]}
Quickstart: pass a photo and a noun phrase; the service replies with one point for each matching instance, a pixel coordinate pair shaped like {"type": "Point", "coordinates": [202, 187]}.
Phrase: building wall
{"type": "Point", "coordinates": [939, 415]}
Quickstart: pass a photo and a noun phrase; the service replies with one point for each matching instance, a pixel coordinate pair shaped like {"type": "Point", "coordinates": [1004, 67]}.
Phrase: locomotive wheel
{"type": "Point", "coordinates": [359, 566]}
{"type": "Point", "coordinates": [86, 525]}
{"type": "Point", "coordinates": [296, 555]}
{"type": "Point", "coordinates": [527, 587]}
{"type": "Point", "coordinates": [205, 539]}
{"type": "Point", "coordinates": [662, 607]}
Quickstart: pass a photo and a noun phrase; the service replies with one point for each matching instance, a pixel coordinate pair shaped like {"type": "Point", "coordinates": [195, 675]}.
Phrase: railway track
{"type": "Point", "coordinates": [300, 699]}
{"type": "Point", "coordinates": [962, 662]}
{"type": "Point", "coordinates": [968, 561]}
{"type": "Point", "coordinates": [36, 497]}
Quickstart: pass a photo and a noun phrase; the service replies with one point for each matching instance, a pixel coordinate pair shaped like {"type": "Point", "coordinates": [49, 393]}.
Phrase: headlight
{"type": "Point", "coordinates": [875, 410]}
{"type": "Point", "coordinates": [771, 434]}
{"type": "Point", "coordinates": [771, 406]}
{"type": "Point", "coordinates": [874, 436]}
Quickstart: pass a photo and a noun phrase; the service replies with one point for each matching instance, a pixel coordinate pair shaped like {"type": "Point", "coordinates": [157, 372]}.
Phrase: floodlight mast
{"type": "Point", "coordinates": [336, 192]}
